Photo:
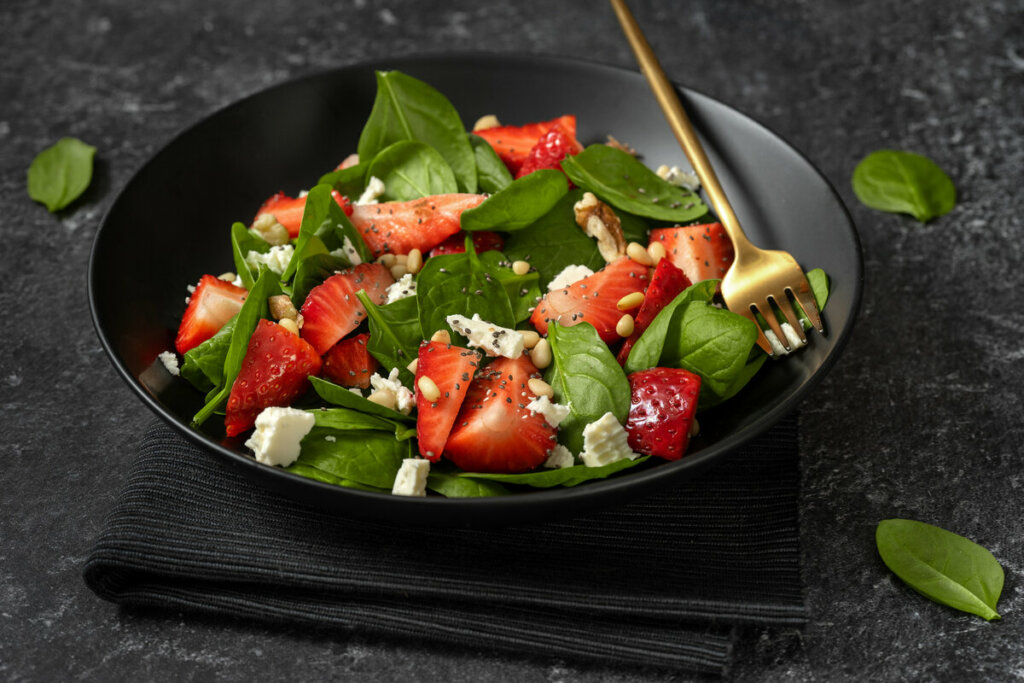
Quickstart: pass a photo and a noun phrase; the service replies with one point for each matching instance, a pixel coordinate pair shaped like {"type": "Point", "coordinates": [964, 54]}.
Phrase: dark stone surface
{"type": "Point", "coordinates": [922, 418]}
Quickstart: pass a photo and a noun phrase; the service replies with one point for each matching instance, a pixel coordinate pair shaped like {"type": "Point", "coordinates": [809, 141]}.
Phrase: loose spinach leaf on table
{"type": "Point", "coordinates": [349, 181]}
{"type": "Point", "coordinates": [61, 173]}
{"type": "Point", "coordinates": [340, 396]}
{"type": "Point", "coordinates": [406, 108]}
{"type": "Point", "coordinates": [412, 170]}
{"type": "Point", "coordinates": [242, 242]}
{"type": "Point", "coordinates": [520, 204]}
{"type": "Point", "coordinates": [492, 175]}
{"type": "Point", "coordinates": [523, 290]}
{"type": "Point", "coordinates": [625, 183]}
{"type": "Point", "coordinates": [567, 476]}
{"type": "Point", "coordinates": [454, 486]}
{"type": "Point", "coordinates": [904, 182]}
{"type": "Point", "coordinates": [395, 334]}
{"type": "Point", "coordinates": [364, 456]}
{"type": "Point", "coordinates": [942, 566]}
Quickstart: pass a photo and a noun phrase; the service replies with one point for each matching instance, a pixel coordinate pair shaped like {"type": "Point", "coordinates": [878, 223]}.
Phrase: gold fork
{"type": "Point", "coordinates": [758, 278]}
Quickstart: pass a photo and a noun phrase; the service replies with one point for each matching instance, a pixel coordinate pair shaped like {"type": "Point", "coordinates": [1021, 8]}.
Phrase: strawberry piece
{"type": "Point", "coordinates": [214, 302]}
{"type": "Point", "coordinates": [451, 369]}
{"type": "Point", "coordinates": [593, 299]}
{"type": "Point", "coordinates": [274, 372]}
{"type": "Point", "coordinates": [484, 240]}
{"type": "Point", "coordinates": [549, 151]}
{"type": "Point", "coordinates": [494, 431]}
{"type": "Point", "coordinates": [288, 210]}
{"type": "Point", "coordinates": [513, 143]}
{"type": "Point", "coordinates": [349, 363]}
{"type": "Point", "coordinates": [400, 227]}
{"type": "Point", "coordinates": [663, 403]}
{"type": "Point", "coordinates": [702, 252]}
{"type": "Point", "coordinates": [666, 284]}
{"type": "Point", "coordinates": [331, 309]}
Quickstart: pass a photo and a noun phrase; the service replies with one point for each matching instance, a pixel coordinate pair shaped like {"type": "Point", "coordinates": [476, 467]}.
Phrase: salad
{"type": "Point", "coordinates": [470, 313]}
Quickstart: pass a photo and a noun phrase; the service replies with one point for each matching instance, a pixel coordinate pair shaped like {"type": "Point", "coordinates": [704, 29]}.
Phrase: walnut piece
{"type": "Point", "coordinates": [621, 146]}
{"type": "Point", "coordinates": [599, 221]}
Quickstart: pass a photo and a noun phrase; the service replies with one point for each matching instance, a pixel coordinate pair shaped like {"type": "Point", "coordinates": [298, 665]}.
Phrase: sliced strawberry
{"type": "Point", "coordinates": [348, 162]}
{"type": "Point", "coordinates": [214, 302]}
{"type": "Point", "coordinates": [549, 151]}
{"type": "Point", "coordinates": [663, 403]}
{"type": "Point", "coordinates": [494, 431]}
{"type": "Point", "coordinates": [593, 299]}
{"type": "Point", "coordinates": [666, 284]}
{"type": "Point", "coordinates": [400, 227]}
{"type": "Point", "coordinates": [483, 240]}
{"type": "Point", "coordinates": [513, 143]}
{"type": "Point", "coordinates": [702, 252]}
{"type": "Point", "coordinates": [349, 363]}
{"type": "Point", "coordinates": [274, 372]}
{"type": "Point", "coordinates": [451, 369]}
{"type": "Point", "coordinates": [331, 309]}
{"type": "Point", "coordinates": [288, 210]}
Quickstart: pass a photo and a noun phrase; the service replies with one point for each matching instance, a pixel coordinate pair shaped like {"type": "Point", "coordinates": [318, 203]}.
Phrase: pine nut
{"type": "Point", "coordinates": [541, 354]}
{"type": "Point", "coordinates": [694, 428]}
{"type": "Point", "coordinates": [402, 258]}
{"type": "Point", "coordinates": [227, 277]}
{"type": "Point", "coordinates": [656, 250]}
{"type": "Point", "coordinates": [441, 336]}
{"type": "Point", "coordinates": [486, 121]}
{"type": "Point", "coordinates": [415, 261]}
{"type": "Point", "coordinates": [638, 253]}
{"type": "Point", "coordinates": [540, 388]}
{"type": "Point", "coordinates": [387, 260]}
{"type": "Point", "coordinates": [398, 270]}
{"type": "Point", "coordinates": [290, 325]}
{"type": "Point", "coordinates": [411, 367]}
{"type": "Point", "coordinates": [624, 327]}
{"type": "Point", "coordinates": [384, 397]}
{"type": "Point", "coordinates": [630, 301]}
{"type": "Point", "coordinates": [428, 389]}
{"type": "Point", "coordinates": [520, 267]}
{"type": "Point", "coordinates": [530, 338]}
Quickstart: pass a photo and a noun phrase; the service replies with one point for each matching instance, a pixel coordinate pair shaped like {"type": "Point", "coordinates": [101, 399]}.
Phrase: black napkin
{"type": "Point", "coordinates": [658, 582]}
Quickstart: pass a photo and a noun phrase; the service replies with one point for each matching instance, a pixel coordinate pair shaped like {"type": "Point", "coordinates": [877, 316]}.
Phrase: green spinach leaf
{"type": "Point", "coordinates": [520, 204]}
{"type": "Point", "coordinates": [243, 241]}
{"type": "Point", "coordinates": [395, 334]}
{"type": "Point", "coordinates": [646, 352]}
{"type": "Point", "coordinates": [904, 182]}
{"type": "Point", "coordinates": [61, 173]}
{"type": "Point", "coordinates": [523, 290]}
{"type": "Point", "coordinates": [320, 475]}
{"type": "Point", "coordinates": [343, 419]}
{"type": "Point", "coordinates": [454, 486]}
{"type": "Point", "coordinates": [203, 365]}
{"type": "Point", "coordinates": [491, 173]}
{"type": "Point", "coordinates": [566, 476]}
{"type": "Point", "coordinates": [364, 456]}
{"type": "Point", "coordinates": [411, 170]}
{"type": "Point", "coordinates": [350, 181]}
{"type": "Point", "coordinates": [340, 396]}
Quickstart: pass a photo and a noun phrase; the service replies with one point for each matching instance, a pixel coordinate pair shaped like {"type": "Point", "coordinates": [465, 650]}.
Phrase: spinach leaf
{"type": "Point", "coordinates": [566, 476]}
{"type": "Point", "coordinates": [349, 181]}
{"type": "Point", "coordinates": [491, 173]}
{"type": "Point", "coordinates": [364, 456]}
{"type": "Point", "coordinates": [61, 173]}
{"type": "Point", "coordinates": [346, 419]}
{"type": "Point", "coordinates": [646, 352]}
{"type": "Point", "coordinates": [243, 241]}
{"type": "Point", "coordinates": [313, 269]}
{"type": "Point", "coordinates": [586, 377]}
{"type": "Point", "coordinates": [341, 238]}
{"type": "Point", "coordinates": [904, 182]}
{"type": "Point", "coordinates": [454, 486]}
{"type": "Point", "coordinates": [395, 334]}
{"type": "Point", "coordinates": [340, 396]}
{"type": "Point", "coordinates": [520, 204]}
{"type": "Point", "coordinates": [408, 109]}
{"type": "Point", "coordinates": [411, 170]}
{"type": "Point", "coordinates": [325, 220]}
{"type": "Point", "coordinates": [523, 290]}
{"type": "Point", "coordinates": [320, 475]}
{"type": "Point", "coordinates": [203, 365]}
{"type": "Point", "coordinates": [634, 228]}
{"type": "Point", "coordinates": [625, 183]}
{"type": "Point", "coordinates": [941, 565]}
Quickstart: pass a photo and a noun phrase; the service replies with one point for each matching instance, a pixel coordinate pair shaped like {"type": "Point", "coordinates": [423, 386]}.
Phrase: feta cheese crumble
{"type": "Point", "coordinates": [374, 189]}
{"type": "Point", "coordinates": [568, 276]}
{"type": "Point", "coordinates": [553, 413]}
{"type": "Point", "coordinates": [605, 442]}
{"type": "Point", "coordinates": [678, 177]}
{"type": "Point", "coordinates": [411, 479]}
{"type": "Point", "coordinates": [279, 432]}
{"type": "Point", "coordinates": [791, 336]}
{"type": "Point", "coordinates": [349, 252]}
{"type": "Point", "coordinates": [276, 259]}
{"type": "Point", "coordinates": [406, 399]}
{"type": "Point", "coordinates": [493, 339]}
{"type": "Point", "coordinates": [170, 362]}
{"type": "Point", "coordinates": [559, 458]}
{"type": "Point", "coordinates": [403, 288]}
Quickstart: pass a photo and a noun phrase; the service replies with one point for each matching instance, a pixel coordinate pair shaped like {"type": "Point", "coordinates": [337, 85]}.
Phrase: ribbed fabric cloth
{"type": "Point", "coordinates": [659, 582]}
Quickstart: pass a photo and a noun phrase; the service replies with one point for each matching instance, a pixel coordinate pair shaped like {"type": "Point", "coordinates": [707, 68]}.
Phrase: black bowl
{"type": "Point", "coordinates": [170, 224]}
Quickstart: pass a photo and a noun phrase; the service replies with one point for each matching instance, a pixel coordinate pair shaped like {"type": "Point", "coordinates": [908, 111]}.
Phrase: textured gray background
{"type": "Point", "coordinates": [921, 418]}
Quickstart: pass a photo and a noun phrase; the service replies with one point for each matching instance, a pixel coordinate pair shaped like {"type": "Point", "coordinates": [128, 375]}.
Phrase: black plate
{"type": "Point", "coordinates": [170, 225]}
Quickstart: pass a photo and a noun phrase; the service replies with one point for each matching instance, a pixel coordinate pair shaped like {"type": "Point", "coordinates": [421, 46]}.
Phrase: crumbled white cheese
{"type": "Point", "coordinates": [553, 413]}
{"type": "Point", "coordinates": [303, 193]}
{"type": "Point", "coordinates": [403, 288]}
{"type": "Point", "coordinates": [348, 251]}
{"type": "Point", "coordinates": [237, 282]}
{"type": "Point", "coordinates": [276, 259]}
{"type": "Point", "coordinates": [605, 442]}
{"type": "Point", "coordinates": [278, 435]}
{"type": "Point", "coordinates": [374, 189]}
{"type": "Point", "coordinates": [170, 362]}
{"type": "Point", "coordinates": [406, 399]}
{"type": "Point", "coordinates": [357, 391]}
{"type": "Point", "coordinates": [791, 336]}
{"type": "Point", "coordinates": [678, 177]}
{"type": "Point", "coordinates": [559, 458]}
{"type": "Point", "coordinates": [493, 339]}
{"type": "Point", "coordinates": [568, 276]}
{"type": "Point", "coordinates": [411, 479]}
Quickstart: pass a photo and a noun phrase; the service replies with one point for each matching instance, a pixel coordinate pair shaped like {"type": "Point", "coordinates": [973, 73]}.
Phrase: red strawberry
{"type": "Point", "coordinates": [666, 283]}
{"type": "Point", "coordinates": [702, 252]}
{"type": "Point", "coordinates": [400, 227]}
{"type": "Point", "coordinates": [593, 299]}
{"type": "Point", "coordinates": [549, 151]}
{"type": "Point", "coordinates": [331, 309]}
{"type": "Point", "coordinates": [288, 210]}
{"type": "Point", "coordinates": [451, 369]}
{"type": "Point", "coordinates": [349, 362]}
{"type": "Point", "coordinates": [214, 302]}
{"type": "Point", "coordinates": [274, 372]}
{"type": "Point", "coordinates": [483, 240]}
{"type": "Point", "coordinates": [513, 143]}
{"type": "Point", "coordinates": [494, 431]}
{"type": "Point", "coordinates": [661, 411]}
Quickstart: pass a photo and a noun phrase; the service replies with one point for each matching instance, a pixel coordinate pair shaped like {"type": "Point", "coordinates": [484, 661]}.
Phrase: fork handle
{"type": "Point", "coordinates": [681, 126]}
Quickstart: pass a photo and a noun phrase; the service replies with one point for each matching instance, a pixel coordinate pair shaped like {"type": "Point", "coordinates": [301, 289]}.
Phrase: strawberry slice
{"type": "Point", "coordinates": [593, 299]}
{"type": "Point", "coordinates": [214, 302]}
{"type": "Point", "coordinates": [494, 431]}
{"type": "Point", "coordinates": [288, 210]}
{"type": "Point", "coordinates": [274, 372]}
{"type": "Point", "coordinates": [451, 369]}
{"type": "Point", "coordinates": [400, 227]}
{"type": "Point", "coordinates": [483, 240]}
{"type": "Point", "coordinates": [513, 143]}
{"type": "Point", "coordinates": [549, 151]}
{"type": "Point", "coordinates": [331, 309]}
{"type": "Point", "coordinates": [666, 284]}
{"type": "Point", "coordinates": [663, 403]}
{"type": "Point", "coordinates": [349, 362]}
{"type": "Point", "coordinates": [702, 252]}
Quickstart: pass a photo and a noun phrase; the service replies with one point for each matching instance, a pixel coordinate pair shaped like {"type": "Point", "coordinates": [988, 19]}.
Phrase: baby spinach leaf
{"type": "Point", "coordinates": [242, 242]}
{"type": "Point", "coordinates": [313, 269]}
{"type": "Point", "coordinates": [646, 352]}
{"type": "Point", "coordinates": [491, 173]}
{"type": "Point", "coordinates": [454, 486]}
{"type": "Point", "coordinates": [520, 204]}
{"type": "Point", "coordinates": [203, 365]}
{"type": "Point", "coordinates": [586, 377]}
{"type": "Point", "coordinates": [634, 228]}
{"type": "Point", "coordinates": [346, 419]}
{"type": "Point", "coordinates": [363, 456]}
{"type": "Point", "coordinates": [395, 334]}
{"type": "Point", "coordinates": [411, 170]}
{"type": "Point", "coordinates": [904, 182]}
{"type": "Point", "coordinates": [941, 565]}
{"type": "Point", "coordinates": [320, 475]}
{"type": "Point", "coordinates": [350, 181]}
{"type": "Point", "coordinates": [625, 183]}
{"type": "Point", "coordinates": [408, 109]}
{"type": "Point", "coordinates": [341, 238]}
{"type": "Point", "coordinates": [61, 173]}
{"type": "Point", "coordinates": [566, 476]}
{"type": "Point", "coordinates": [340, 396]}
{"type": "Point", "coordinates": [523, 290]}
{"type": "Point", "coordinates": [324, 219]}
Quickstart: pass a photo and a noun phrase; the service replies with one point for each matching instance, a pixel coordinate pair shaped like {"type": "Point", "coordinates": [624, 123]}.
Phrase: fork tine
{"type": "Point", "coordinates": [805, 298]}
{"type": "Point", "coordinates": [762, 340]}
{"type": "Point", "coordinates": [786, 307]}
{"type": "Point", "coordinates": [765, 309]}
